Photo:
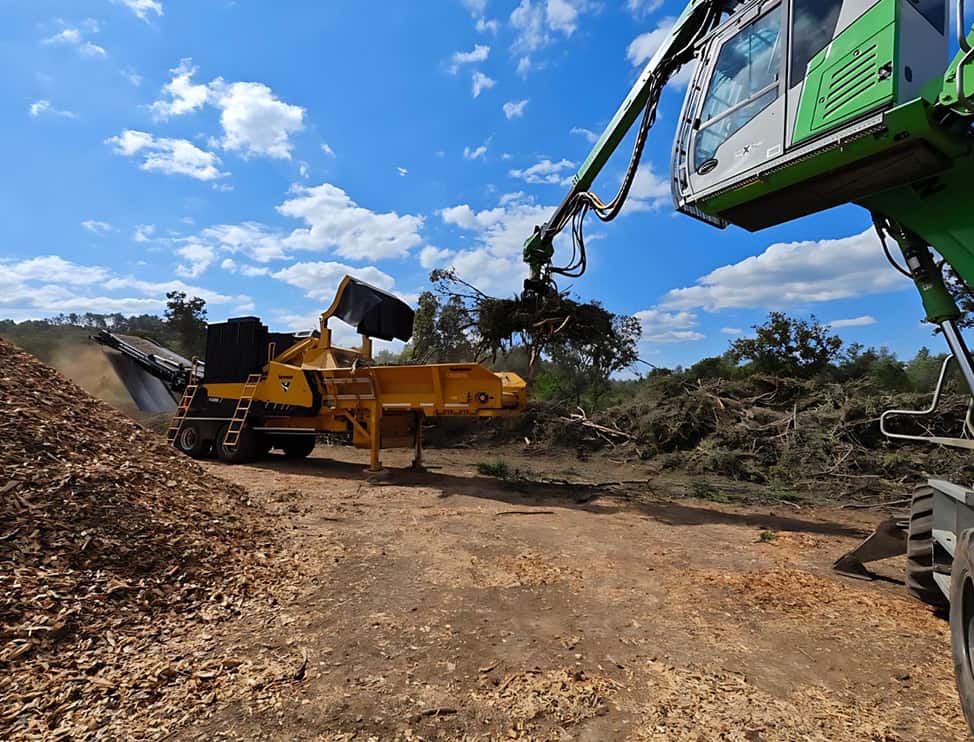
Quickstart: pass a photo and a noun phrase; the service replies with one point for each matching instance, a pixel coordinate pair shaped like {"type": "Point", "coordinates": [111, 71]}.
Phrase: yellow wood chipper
{"type": "Point", "coordinates": [259, 390]}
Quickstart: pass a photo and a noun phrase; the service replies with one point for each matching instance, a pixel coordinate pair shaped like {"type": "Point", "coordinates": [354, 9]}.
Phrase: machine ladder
{"type": "Point", "coordinates": [232, 438]}
{"type": "Point", "coordinates": [189, 393]}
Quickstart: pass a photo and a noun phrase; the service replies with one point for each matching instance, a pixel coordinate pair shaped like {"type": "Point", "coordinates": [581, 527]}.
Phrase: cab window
{"type": "Point", "coordinates": [744, 82]}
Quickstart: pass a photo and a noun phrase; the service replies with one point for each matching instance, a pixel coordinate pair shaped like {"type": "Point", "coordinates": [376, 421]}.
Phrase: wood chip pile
{"type": "Point", "coordinates": [111, 546]}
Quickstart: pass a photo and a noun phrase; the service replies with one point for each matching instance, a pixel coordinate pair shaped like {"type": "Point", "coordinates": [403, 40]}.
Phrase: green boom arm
{"type": "Point", "coordinates": [675, 51]}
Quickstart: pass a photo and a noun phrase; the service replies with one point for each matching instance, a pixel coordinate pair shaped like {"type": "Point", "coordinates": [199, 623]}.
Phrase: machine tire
{"type": "Point", "coordinates": [245, 451]}
{"type": "Point", "coordinates": [190, 441]}
{"type": "Point", "coordinates": [962, 626]}
{"type": "Point", "coordinates": [919, 551]}
{"type": "Point", "coordinates": [298, 446]}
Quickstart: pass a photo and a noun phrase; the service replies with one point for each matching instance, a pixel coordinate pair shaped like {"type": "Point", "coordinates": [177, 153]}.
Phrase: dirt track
{"type": "Point", "coordinates": [445, 605]}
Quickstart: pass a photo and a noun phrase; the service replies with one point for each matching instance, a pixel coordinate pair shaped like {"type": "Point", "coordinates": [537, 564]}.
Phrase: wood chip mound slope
{"type": "Point", "coordinates": [111, 545]}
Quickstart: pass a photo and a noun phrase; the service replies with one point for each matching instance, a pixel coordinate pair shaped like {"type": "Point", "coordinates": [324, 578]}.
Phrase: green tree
{"type": "Point", "coordinates": [440, 330]}
{"type": "Point", "coordinates": [716, 367]}
{"type": "Point", "coordinates": [582, 371]}
{"type": "Point", "coordinates": [788, 346]}
{"type": "Point", "coordinates": [924, 369]}
{"type": "Point", "coordinates": [186, 319]}
{"type": "Point", "coordinates": [963, 297]}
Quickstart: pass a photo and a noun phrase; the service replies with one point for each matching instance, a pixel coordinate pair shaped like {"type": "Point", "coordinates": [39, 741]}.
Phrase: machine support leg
{"type": "Point", "coordinates": [939, 304]}
{"type": "Point", "coordinates": [375, 439]}
{"type": "Point", "coordinates": [418, 458]}
{"type": "Point", "coordinates": [962, 356]}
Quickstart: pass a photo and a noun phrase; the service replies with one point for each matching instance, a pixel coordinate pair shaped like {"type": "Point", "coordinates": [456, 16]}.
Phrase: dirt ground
{"type": "Point", "coordinates": [447, 605]}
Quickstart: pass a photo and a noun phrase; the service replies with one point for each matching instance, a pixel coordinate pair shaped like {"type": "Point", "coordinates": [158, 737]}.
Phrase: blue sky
{"type": "Point", "coordinates": [254, 152]}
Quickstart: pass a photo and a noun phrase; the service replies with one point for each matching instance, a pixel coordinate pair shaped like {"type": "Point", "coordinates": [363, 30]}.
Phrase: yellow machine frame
{"type": "Point", "coordinates": [381, 406]}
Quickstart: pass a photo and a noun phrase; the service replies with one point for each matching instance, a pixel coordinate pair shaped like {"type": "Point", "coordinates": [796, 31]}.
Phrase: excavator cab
{"type": "Point", "coordinates": [781, 88]}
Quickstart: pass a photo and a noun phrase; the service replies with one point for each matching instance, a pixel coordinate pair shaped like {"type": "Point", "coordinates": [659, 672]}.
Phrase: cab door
{"type": "Point", "coordinates": [740, 120]}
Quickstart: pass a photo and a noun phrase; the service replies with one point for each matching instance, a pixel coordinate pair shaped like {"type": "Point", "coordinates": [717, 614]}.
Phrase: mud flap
{"type": "Point", "coordinates": [888, 540]}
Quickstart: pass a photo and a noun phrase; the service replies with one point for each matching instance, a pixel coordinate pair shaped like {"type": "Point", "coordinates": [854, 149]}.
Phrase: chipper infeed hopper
{"type": "Point", "coordinates": [263, 390]}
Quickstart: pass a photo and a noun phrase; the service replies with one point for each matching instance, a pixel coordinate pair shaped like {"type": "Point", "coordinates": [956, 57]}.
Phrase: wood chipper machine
{"type": "Point", "coordinates": [259, 390]}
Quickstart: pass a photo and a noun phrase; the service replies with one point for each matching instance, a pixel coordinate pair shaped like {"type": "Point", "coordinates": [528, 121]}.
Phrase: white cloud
{"type": "Point", "coordinates": [562, 16]}
{"type": "Point", "coordinates": [334, 221]}
{"type": "Point", "coordinates": [255, 121]}
{"type": "Point", "coordinates": [249, 238]}
{"type": "Point", "coordinates": [590, 136]}
{"type": "Point", "coordinates": [502, 229]}
{"type": "Point", "coordinates": [524, 66]}
{"type": "Point", "coordinates": [537, 23]}
{"type": "Point", "coordinates": [862, 321]}
{"type": "Point", "coordinates": [732, 330]}
{"type": "Point", "coordinates": [495, 264]}
{"type": "Point", "coordinates": [47, 285]}
{"type": "Point", "coordinates": [96, 227]}
{"type": "Point", "coordinates": [142, 8]}
{"type": "Point", "coordinates": [475, 153]}
{"type": "Point", "coordinates": [54, 269]}
{"type": "Point", "coordinates": [161, 288]}
{"type": "Point", "coordinates": [244, 269]}
{"type": "Point", "coordinates": [144, 232]}
{"type": "Point", "coordinates": [528, 21]}
{"type": "Point", "coordinates": [198, 258]}
{"type": "Point", "coordinates": [659, 326]}
{"type": "Point", "coordinates": [479, 53]}
{"type": "Point", "coordinates": [490, 272]}
{"type": "Point", "coordinates": [327, 150]}
{"type": "Point", "coordinates": [546, 171]}
{"type": "Point", "coordinates": [77, 37]}
{"type": "Point", "coordinates": [132, 76]}
{"type": "Point", "coordinates": [460, 216]}
{"type": "Point", "coordinates": [642, 8]}
{"type": "Point", "coordinates": [168, 156]}
{"type": "Point", "coordinates": [515, 109]}
{"type": "Point", "coordinates": [403, 172]}
{"type": "Point", "coordinates": [481, 82]}
{"type": "Point", "coordinates": [511, 198]}
{"type": "Point", "coordinates": [304, 170]}
{"type": "Point", "coordinates": [649, 191]}
{"type": "Point", "coordinates": [792, 273]}
{"type": "Point", "coordinates": [431, 257]}
{"type": "Point", "coordinates": [320, 279]}
{"type": "Point", "coordinates": [483, 26]}
{"type": "Point", "coordinates": [644, 46]}
{"type": "Point", "coordinates": [476, 7]}
{"type": "Point", "coordinates": [185, 96]}
{"type": "Point", "coordinates": [41, 107]}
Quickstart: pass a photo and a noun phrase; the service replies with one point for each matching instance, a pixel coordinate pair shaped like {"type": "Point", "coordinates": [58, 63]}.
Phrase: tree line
{"type": "Point", "coordinates": [588, 374]}
{"type": "Point", "coordinates": [182, 327]}
{"type": "Point", "coordinates": [583, 369]}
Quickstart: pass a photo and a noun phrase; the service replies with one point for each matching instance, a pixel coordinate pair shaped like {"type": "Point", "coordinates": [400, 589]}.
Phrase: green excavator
{"type": "Point", "coordinates": [797, 106]}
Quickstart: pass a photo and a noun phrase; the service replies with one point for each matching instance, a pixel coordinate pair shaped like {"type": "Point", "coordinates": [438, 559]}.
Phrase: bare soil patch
{"type": "Point", "coordinates": [446, 605]}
